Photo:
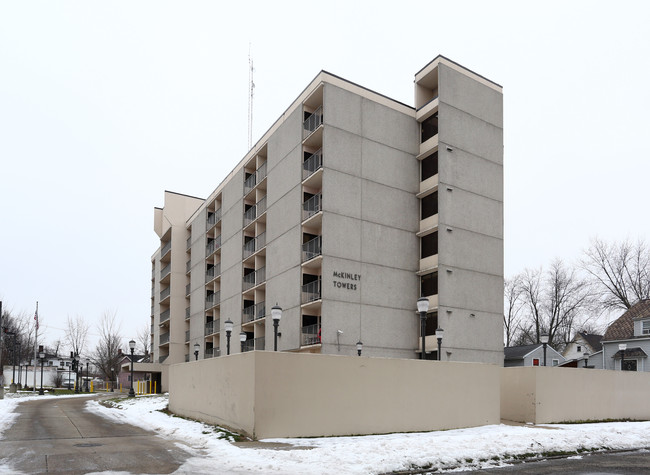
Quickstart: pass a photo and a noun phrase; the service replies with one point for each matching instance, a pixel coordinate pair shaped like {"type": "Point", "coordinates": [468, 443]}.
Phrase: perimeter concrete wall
{"type": "Point", "coordinates": [281, 394]}
{"type": "Point", "coordinates": [546, 394]}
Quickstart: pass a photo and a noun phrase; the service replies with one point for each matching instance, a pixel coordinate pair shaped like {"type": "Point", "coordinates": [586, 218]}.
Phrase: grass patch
{"type": "Point", "coordinates": [598, 421]}
{"type": "Point", "coordinates": [219, 431]}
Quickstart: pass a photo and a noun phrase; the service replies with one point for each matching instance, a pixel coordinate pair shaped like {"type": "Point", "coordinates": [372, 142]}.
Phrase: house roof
{"type": "Point", "coordinates": [519, 352]}
{"type": "Point", "coordinates": [631, 353]}
{"type": "Point", "coordinates": [592, 340]}
{"type": "Point", "coordinates": [623, 327]}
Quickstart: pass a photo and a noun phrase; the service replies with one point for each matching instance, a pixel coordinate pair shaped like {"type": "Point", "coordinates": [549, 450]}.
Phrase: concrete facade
{"type": "Point", "coordinates": [348, 209]}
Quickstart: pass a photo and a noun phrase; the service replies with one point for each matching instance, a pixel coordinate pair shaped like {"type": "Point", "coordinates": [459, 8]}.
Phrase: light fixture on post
{"type": "Point", "coordinates": [439, 333]}
{"type": "Point", "coordinates": [228, 326]}
{"type": "Point", "coordinates": [544, 339]}
{"type": "Point", "coordinates": [586, 354]}
{"type": "Point", "coordinates": [276, 315]}
{"type": "Point", "coordinates": [423, 308]}
{"type": "Point", "coordinates": [622, 347]}
{"type": "Point", "coordinates": [359, 347]}
{"type": "Point", "coordinates": [76, 373]}
{"type": "Point", "coordinates": [132, 348]}
{"type": "Point", "coordinates": [196, 351]}
{"type": "Point", "coordinates": [41, 355]}
{"type": "Point", "coordinates": [112, 379]}
{"type": "Point", "coordinates": [242, 339]}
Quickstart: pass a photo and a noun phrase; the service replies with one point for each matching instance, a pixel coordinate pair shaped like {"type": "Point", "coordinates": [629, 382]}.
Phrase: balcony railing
{"type": "Point", "coordinates": [310, 335]}
{"type": "Point", "coordinates": [250, 182]}
{"type": "Point", "coordinates": [254, 245]}
{"type": "Point", "coordinates": [213, 245]}
{"type": "Point", "coordinates": [187, 335]}
{"type": "Point", "coordinates": [187, 358]}
{"type": "Point", "coordinates": [164, 316]}
{"type": "Point", "coordinates": [312, 122]}
{"type": "Point", "coordinates": [311, 291]}
{"type": "Point", "coordinates": [188, 289]}
{"type": "Point", "coordinates": [312, 248]}
{"type": "Point", "coordinates": [165, 270]}
{"type": "Point", "coordinates": [162, 359]}
{"type": "Point", "coordinates": [312, 206]}
{"type": "Point", "coordinates": [213, 272]}
{"type": "Point", "coordinates": [312, 164]}
{"type": "Point", "coordinates": [212, 299]}
{"type": "Point", "coordinates": [255, 211]}
{"type": "Point", "coordinates": [188, 266]}
{"type": "Point", "coordinates": [164, 338]}
{"type": "Point", "coordinates": [213, 218]}
{"type": "Point", "coordinates": [254, 312]}
{"type": "Point", "coordinates": [187, 312]}
{"type": "Point", "coordinates": [165, 293]}
{"type": "Point", "coordinates": [209, 328]}
{"type": "Point", "coordinates": [259, 343]}
{"type": "Point", "coordinates": [165, 249]}
{"type": "Point", "coordinates": [249, 345]}
{"type": "Point", "coordinates": [188, 243]}
{"type": "Point", "coordinates": [254, 278]}
{"type": "Point", "coordinates": [212, 352]}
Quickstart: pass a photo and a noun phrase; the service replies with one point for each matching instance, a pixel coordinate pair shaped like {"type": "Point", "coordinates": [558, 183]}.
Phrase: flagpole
{"type": "Point", "coordinates": [35, 347]}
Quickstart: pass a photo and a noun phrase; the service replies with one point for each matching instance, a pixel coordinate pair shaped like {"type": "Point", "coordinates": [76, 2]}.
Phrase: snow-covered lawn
{"type": "Point", "coordinates": [213, 451]}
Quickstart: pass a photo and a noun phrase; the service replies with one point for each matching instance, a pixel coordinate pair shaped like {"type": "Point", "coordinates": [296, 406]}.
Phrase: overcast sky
{"type": "Point", "coordinates": [104, 105]}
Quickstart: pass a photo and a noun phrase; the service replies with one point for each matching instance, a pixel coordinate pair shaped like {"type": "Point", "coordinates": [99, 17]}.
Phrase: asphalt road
{"type": "Point", "coordinates": [56, 435]}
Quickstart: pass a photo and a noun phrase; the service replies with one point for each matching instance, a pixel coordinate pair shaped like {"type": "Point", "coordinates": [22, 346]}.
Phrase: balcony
{"type": "Point", "coordinates": [188, 289]}
{"type": "Point", "coordinates": [255, 211]}
{"type": "Point", "coordinates": [213, 218]}
{"type": "Point", "coordinates": [212, 299]}
{"type": "Point", "coordinates": [187, 358]}
{"type": "Point", "coordinates": [312, 248]}
{"type": "Point", "coordinates": [259, 343]}
{"type": "Point", "coordinates": [310, 335]}
{"type": "Point", "coordinates": [312, 206]}
{"type": "Point", "coordinates": [164, 316]}
{"type": "Point", "coordinates": [312, 122]}
{"type": "Point", "coordinates": [249, 345]}
{"type": "Point", "coordinates": [165, 293]}
{"type": "Point", "coordinates": [311, 291]}
{"type": "Point", "coordinates": [254, 312]}
{"type": "Point", "coordinates": [209, 328]}
{"type": "Point", "coordinates": [165, 271]}
{"type": "Point", "coordinates": [213, 245]}
{"type": "Point", "coordinates": [188, 266]}
{"type": "Point", "coordinates": [212, 272]}
{"type": "Point", "coordinates": [188, 243]}
{"type": "Point", "coordinates": [165, 249]}
{"type": "Point", "coordinates": [187, 313]}
{"type": "Point", "coordinates": [212, 352]}
{"type": "Point", "coordinates": [187, 336]}
{"type": "Point", "coordinates": [162, 358]}
{"type": "Point", "coordinates": [254, 245]}
{"type": "Point", "coordinates": [250, 182]}
{"type": "Point", "coordinates": [255, 278]}
{"type": "Point", "coordinates": [164, 338]}
{"type": "Point", "coordinates": [313, 163]}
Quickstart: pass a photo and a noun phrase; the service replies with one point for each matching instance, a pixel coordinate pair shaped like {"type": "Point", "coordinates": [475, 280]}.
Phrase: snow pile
{"type": "Point", "coordinates": [213, 451]}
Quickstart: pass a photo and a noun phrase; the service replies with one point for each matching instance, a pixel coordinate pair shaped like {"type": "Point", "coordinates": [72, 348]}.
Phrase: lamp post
{"type": "Point", "coordinates": [112, 379]}
{"type": "Point", "coordinates": [196, 351]}
{"type": "Point", "coordinates": [439, 333]}
{"type": "Point", "coordinates": [242, 339]}
{"type": "Point", "coordinates": [132, 348]}
{"type": "Point", "coordinates": [70, 368]}
{"type": "Point", "coordinates": [359, 347]}
{"type": "Point", "coordinates": [41, 355]}
{"type": "Point", "coordinates": [228, 326]}
{"type": "Point", "coordinates": [87, 375]}
{"type": "Point", "coordinates": [544, 339]}
{"type": "Point", "coordinates": [622, 347]}
{"type": "Point", "coordinates": [76, 373]}
{"type": "Point", "coordinates": [276, 315]}
{"type": "Point", "coordinates": [423, 308]}
{"type": "Point", "coordinates": [586, 353]}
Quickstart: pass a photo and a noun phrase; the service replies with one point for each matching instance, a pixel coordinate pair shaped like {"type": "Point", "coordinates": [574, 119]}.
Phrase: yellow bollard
{"type": "Point", "coordinates": [154, 387]}
{"type": "Point", "coordinates": [92, 387]}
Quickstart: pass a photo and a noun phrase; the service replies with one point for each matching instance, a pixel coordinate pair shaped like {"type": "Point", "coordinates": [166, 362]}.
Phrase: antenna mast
{"type": "Point", "coordinates": [251, 88]}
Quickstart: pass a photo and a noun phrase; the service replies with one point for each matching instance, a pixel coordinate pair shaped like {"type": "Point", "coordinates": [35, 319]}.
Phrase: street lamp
{"type": "Point", "coordinates": [242, 339]}
{"type": "Point", "coordinates": [622, 347]}
{"type": "Point", "coordinates": [439, 333]}
{"type": "Point", "coordinates": [132, 348]}
{"type": "Point", "coordinates": [586, 353]}
{"type": "Point", "coordinates": [41, 355]}
{"type": "Point", "coordinates": [70, 369]}
{"type": "Point", "coordinates": [196, 351]}
{"type": "Point", "coordinates": [359, 347]}
{"type": "Point", "coordinates": [276, 315]}
{"type": "Point", "coordinates": [423, 308]}
{"type": "Point", "coordinates": [544, 339]}
{"type": "Point", "coordinates": [228, 326]}
{"type": "Point", "coordinates": [87, 375]}
{"type": "Point", "coordinates": [76, 373]}
{"type": "Point", "coordinates": [112, 379]}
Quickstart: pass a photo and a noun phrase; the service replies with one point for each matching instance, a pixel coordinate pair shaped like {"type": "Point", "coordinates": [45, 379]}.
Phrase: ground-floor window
{"type": "Point", "coordinates": [535, 361]}
{"type": "Point", "coordinates": [629, 365]}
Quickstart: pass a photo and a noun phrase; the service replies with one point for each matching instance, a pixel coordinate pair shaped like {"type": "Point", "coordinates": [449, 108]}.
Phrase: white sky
{"type": "Point", "coordinates": [104, 105]}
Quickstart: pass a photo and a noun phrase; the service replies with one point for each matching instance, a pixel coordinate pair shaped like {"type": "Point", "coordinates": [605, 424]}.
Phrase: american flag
{"type": "Point", "coordinates": [36, 316]}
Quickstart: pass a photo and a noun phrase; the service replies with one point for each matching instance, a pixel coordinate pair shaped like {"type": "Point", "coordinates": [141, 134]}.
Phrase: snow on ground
{"type": "Point", "coordinates": [465, 449]}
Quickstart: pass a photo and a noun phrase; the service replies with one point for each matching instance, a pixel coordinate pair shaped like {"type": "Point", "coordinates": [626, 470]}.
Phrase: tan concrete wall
{"type": "Point", "coordinates": [268, 394]}
{"type": "Point", "coordinates": [544, 395]}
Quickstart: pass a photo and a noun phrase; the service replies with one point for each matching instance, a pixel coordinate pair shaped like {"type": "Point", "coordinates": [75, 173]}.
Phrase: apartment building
{"type": "Point", "coordinates": [349, 208]}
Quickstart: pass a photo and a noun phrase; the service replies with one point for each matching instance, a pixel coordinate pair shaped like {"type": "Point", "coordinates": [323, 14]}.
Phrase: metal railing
{"type": "Point", "coordinates": [212, 272]}
{"type": "Point", "coordinates": [212, 299]}
{"type": "Point", "coordinates": [311, 291]}
{"type": "Point", "coordinates": [188, 266]}
{"type": "Point", "coordinates": [212, 245]}
{"type": "Point", "coordinates": [254, 278]}
{"type": "Point", "coordinates": [254, 312]}
{"type": "Point", "coordinates": [188, 243]}
{"type": "Point", "coordinates": [213, 217]}
{"type": "Point", "coordinates": [187, 358]}
{"type": "Point", "coordinates": [188, 289]}
{"type": "Point", "coordinates": [187, 335]}
{"type": "Point", "coordinates": [310, 335]}
{"type": "Point", "coordinates": [164, 316]}
{"type": "Point", "coordinates": [259, 343]}
{"type": "Point", "coordinates": [255, 211]}
{"type": "Point", "coordinates": [164, 338]}
{"type": "Point", "coordinates": [250, 182]}
{"type": "Point", "coordinates": [162, 359]}
{"type": "Point", "coordinates": [212, 352]}
{"type": "Point", "coordinates": [312, 122]}
{"type": "Point", "coordinates": [165, 270]}
{"type": "Point", "coordinates": [313, 163]}
{"type": "Point", "coordinates": [165, 293]}
{"type": "Point", "coordinates": [312, 248]}
{"type": "Point", "coordinates": [165, 249]}
{"type": "Point", "coordinates": [249, 345]}
{"type": "Point", "coordinates": [312, 206]}
{"type": "Point", "coordinates": [254, 245]}
{"type": "Point", "coordinates": [209, 328]}
{"type": "Point", "coordinates": [187, 312]}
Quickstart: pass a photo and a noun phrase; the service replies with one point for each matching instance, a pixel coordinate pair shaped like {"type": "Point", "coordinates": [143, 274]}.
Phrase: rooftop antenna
{"type": "Point", "coordinates": [251, 89]}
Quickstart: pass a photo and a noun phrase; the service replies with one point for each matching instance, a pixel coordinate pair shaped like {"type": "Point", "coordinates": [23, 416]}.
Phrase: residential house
{"type": "Point", "coordinates": [531, 355]}
{"type": "Point", "coordinates": [582, 345]}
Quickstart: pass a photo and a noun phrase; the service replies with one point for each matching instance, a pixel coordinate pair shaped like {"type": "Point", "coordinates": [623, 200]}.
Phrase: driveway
{"type": "Point", "coordinates": [57, 435]}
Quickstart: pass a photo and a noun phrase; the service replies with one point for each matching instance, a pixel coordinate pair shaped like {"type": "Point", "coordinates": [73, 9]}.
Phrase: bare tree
{"type": "Point", "coordinates": [620, 272]}
{"type": "Point", "coordinates": [144, 338]}
{"type": "Point", "coordinates": [106, 355]}
{"type": "Point", "coordinates": [512, 314]}
{"type": "Point", "coordinates": [76, 334]}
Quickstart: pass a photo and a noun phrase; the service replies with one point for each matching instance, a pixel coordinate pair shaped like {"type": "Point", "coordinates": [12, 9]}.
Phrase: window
{"type": "Point", "coordinates": [430, 127]}
{"type": "Point", "coordinates": [429, 284]}
{"type": "Point", "coordinates": [429, 245]}
{"type": "Point", "coordinates": [536, 362]}
{"type": "Point", "coordinates": [129, 377]}
{"type": "Point", "coordinates": [629, 365]}
{"type": "Point", "coordinates": [645, 327]}
{"type": "Point", "coordinates": [579, 349]}
{"type": "Point", "coordinates": [429, 205]}
{"type": "Point", "coordinates": [555, 362]}
{"type": "Point", "coordinates": [430, 166]}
